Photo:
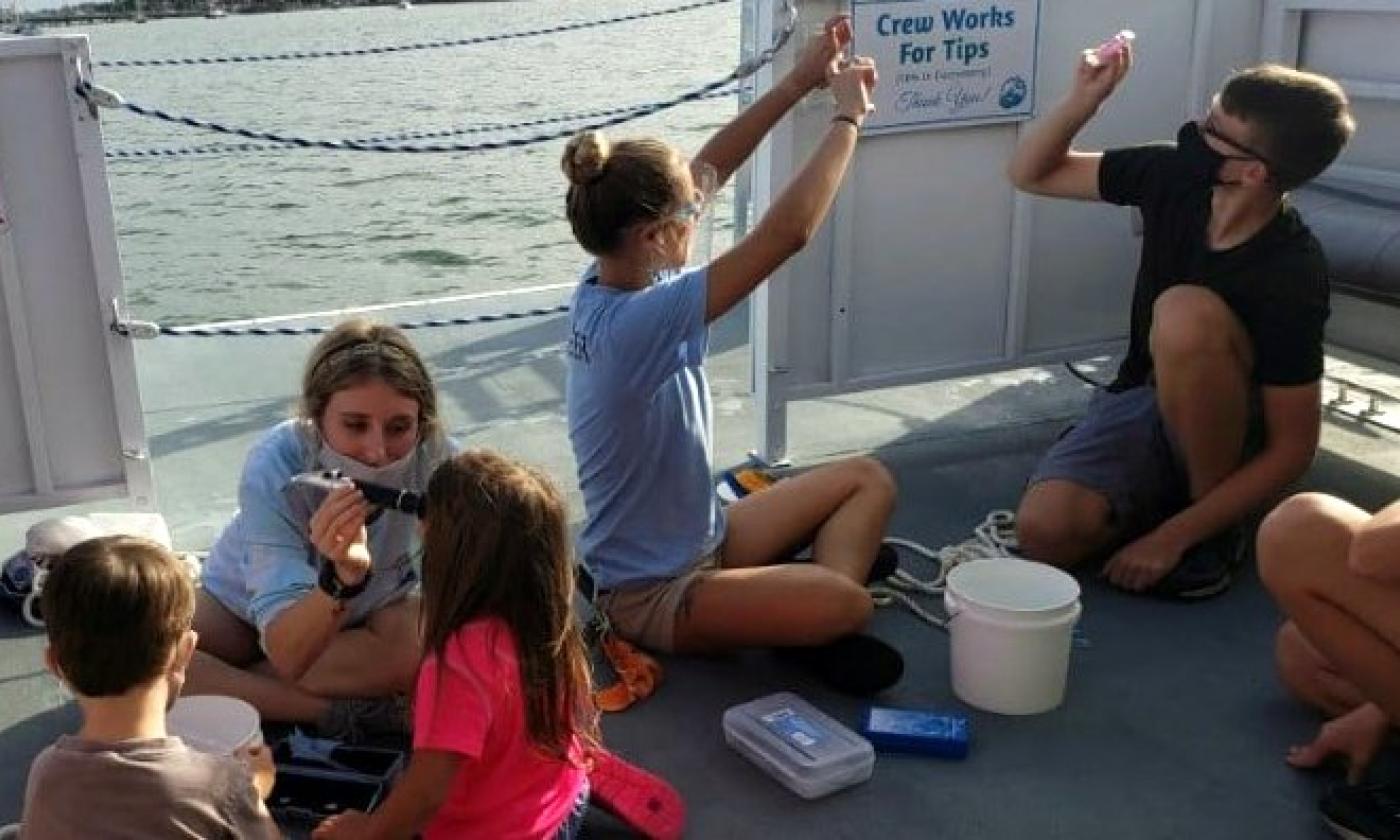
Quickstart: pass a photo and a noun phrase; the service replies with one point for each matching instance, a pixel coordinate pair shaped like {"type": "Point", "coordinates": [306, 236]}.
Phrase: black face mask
{"type": "Point", "coordinates": [1198, 160]}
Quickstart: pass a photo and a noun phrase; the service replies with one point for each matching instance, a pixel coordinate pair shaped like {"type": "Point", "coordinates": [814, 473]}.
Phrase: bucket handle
{"type": "Point", "coordinates": [1074, 616]}
{"type": "Point", "coordinates": [885, 595]}
{"type": "Point", "coordinates": [30, 608]}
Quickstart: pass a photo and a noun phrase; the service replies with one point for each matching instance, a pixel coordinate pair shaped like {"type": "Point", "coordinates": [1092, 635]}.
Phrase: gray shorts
{"type": "Point", "coordinates": [1121, 450]}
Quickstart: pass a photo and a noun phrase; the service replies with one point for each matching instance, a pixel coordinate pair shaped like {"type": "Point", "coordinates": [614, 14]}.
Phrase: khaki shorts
{"type": "Point", "coordinates": [647, 614]}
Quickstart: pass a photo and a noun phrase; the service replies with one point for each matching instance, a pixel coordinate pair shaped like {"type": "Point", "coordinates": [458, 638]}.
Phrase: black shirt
{"type": "Point", "coordinates": [1276, 283]}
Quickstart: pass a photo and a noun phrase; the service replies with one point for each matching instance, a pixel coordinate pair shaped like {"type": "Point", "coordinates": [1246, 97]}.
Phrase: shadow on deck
{"type": "Point", "coordinates": [1174, 725]}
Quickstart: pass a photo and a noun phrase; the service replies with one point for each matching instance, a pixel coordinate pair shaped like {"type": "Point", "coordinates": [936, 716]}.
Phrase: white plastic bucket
{"type": "Point", "coordinates": [213, 724]}
{"type": "Point", "coordinates": [1011, 626]}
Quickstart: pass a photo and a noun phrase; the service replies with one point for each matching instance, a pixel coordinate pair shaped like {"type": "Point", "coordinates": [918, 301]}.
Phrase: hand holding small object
{"type": "Point", "coordinates": [821, 52]}
{"type": "Point", "coordinates": [851, 85]}
{"type": "Point", "coordinates": [261, 767]}
{"type": "Point", "coordinates": [1099, 70]}
{"type": "Point", "coordinates": [1111, 48]}
{"type": "Point", "coordinates": [338, 533]}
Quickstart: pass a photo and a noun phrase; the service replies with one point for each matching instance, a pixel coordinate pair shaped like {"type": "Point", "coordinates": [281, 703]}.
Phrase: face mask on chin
{"type": "Point", "coordinates": [1199, 162]}
{"type": "Point", "coordinates": [390, 475]}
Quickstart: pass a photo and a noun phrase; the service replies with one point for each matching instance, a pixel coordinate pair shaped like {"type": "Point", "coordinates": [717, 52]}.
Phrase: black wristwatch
{"type": "Point", "coordinates": [330, 583]}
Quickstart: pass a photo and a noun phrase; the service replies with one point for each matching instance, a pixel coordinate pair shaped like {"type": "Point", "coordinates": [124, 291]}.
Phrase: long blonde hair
{"type": "Point", "coordinates": [359, 350]}
{"type": "Point", "coordinates": [614, 186]}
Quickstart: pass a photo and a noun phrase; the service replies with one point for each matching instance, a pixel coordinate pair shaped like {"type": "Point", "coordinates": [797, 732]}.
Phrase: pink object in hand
{"type": "Point", "coordinates": [1115, 45]}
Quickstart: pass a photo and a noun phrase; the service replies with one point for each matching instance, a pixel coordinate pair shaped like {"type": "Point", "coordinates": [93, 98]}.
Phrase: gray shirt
{"type": "Point", "coordinates": [151, 788]}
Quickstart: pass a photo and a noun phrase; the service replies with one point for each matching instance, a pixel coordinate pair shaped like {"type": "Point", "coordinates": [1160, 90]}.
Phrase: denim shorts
{"type": "Point", "coordinates": [1122, 450]}
{"type": "Point", "coordinates": [573, 824]}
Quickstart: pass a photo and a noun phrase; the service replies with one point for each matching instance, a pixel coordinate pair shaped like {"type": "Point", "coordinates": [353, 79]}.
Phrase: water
{"type": "Point", "coordinates": [269, 233]}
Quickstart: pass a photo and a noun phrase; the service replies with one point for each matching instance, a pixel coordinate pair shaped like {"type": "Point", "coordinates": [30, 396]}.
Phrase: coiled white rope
{"type": "Point", "coordinates": [994, 537]}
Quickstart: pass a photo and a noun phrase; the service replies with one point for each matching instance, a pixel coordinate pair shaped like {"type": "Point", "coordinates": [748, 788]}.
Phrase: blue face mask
{"type": "Point", "coordinates": [1199, 162]}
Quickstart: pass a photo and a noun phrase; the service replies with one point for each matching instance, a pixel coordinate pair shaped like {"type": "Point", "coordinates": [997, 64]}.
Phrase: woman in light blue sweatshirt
{"type": "Point", "coordinates": [308, 609]}
{"type": "Point", "coordinates": [674, 570]}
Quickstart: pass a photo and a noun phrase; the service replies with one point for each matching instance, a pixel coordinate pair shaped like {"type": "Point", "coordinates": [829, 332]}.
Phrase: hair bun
{"type": "Point", "coordinates": [586, 157]}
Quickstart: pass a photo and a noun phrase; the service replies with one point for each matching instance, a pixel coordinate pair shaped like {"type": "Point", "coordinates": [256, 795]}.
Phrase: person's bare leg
{"type": "Point", "coordinates": [1202, 357]}
{"type": "Point", "coordinates": [1063, 523]}
{"type": "Point", "coordinates": [792, 605]}
{"type": "Point", "coordinates": [1352, 622]}
{"type": "Point", "coordinates": [842, 507]}
{"type": "Point", "coordinates": [274, 698]}
{"type": "Point", "coordinates": [376, 660]}
{"type": "Point", "coordinates": [225, 664]}
{"type": "Point", "coordinates": [1310, 676]}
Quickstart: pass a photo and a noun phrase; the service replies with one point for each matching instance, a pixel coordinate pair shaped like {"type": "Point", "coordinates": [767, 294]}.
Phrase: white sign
{"type": "Point", "coordinates": [948, 62]}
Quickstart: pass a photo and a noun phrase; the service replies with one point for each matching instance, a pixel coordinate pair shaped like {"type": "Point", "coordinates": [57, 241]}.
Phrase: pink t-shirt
{"type": "Point", "coordinates": [506, 788]}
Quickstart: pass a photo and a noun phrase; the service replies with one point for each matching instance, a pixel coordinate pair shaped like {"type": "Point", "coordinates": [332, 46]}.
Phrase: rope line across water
{"type": "Point", "coordinates": [306, 55]}
{"type": "Point", "coordinates": [150, 329]}
{"type": "Point", "coordinates": [244, 148]}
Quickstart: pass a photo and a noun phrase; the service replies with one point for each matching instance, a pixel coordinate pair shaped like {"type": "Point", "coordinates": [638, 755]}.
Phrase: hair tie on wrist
{"type": "Point", "coordinates": [846, 118]}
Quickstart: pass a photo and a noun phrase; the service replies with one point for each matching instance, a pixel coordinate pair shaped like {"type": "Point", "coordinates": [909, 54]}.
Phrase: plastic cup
{"type": "Point", "coordinates": [213, 724]}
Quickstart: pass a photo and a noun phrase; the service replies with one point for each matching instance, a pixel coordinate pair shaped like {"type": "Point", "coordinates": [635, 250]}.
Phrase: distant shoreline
{"type": "Point", "coordinates": [124, 10]}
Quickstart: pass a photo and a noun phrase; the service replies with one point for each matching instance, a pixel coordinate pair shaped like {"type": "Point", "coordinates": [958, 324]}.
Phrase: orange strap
{"type": "Point", "coordinates": [638, 675]}
{"type": "Point", "coordinates": [753, 480]}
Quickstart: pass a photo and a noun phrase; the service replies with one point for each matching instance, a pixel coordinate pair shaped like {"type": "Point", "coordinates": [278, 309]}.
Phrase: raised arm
{"type": "Point", "coordinates": [800, 209]}
{"type": "Point", "coordinates": [727, 150]}
{"type": "Point", "coordinates": [1044, 163]}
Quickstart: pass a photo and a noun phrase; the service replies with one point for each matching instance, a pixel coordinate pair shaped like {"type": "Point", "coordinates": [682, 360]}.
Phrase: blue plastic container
{"type": "Point", "coordinates": [916, 731]}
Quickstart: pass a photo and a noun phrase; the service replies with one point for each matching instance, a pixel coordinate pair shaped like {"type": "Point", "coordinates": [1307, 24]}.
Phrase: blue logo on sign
{"type": "Point", "coordinates": [1013, 92]}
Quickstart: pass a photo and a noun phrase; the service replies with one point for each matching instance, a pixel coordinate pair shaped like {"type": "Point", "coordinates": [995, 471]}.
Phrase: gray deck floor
{"type": "Point", "coordinates": [1174, 725]}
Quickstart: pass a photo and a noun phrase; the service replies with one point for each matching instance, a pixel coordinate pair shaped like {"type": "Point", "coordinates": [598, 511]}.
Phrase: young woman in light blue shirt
{"type": "Point", "coordinates": [675, 571]}
{"type": "Point", "coordinates": [309, 609]}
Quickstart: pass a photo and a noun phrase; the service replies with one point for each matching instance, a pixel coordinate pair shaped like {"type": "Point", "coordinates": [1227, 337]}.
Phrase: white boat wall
{"type": "Point", "coordinates": [70, 409]}
{"type": "Point", "coordinates": [933, 266]}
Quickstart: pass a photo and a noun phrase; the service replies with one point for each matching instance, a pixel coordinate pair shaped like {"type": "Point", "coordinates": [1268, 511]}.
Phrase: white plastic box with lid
{"type": "Point", "coordinates": [810, 753]}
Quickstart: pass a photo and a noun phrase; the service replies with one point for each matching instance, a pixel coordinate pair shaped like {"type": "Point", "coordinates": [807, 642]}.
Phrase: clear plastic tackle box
{"type": "Point", "coordinates": [799, 745]}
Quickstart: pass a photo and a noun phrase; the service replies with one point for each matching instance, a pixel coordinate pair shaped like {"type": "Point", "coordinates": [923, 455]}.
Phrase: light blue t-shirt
{"type": "Point", "coordinates": [642, 427]}
{"type": "Point", "coordinates": [264, 561]}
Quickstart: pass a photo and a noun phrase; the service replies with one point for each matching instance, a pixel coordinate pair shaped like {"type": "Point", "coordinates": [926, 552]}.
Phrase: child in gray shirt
{"type": "Point", "coordinates": [119, 612]}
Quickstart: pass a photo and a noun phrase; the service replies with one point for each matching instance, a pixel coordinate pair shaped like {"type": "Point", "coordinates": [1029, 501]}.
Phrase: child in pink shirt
{"type": "Point", "coordinates": [502, 710]}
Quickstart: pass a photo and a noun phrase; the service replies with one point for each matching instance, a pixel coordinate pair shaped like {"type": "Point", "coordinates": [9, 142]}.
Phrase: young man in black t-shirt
{"type": "Point", "coordinates": [1215, 409]}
